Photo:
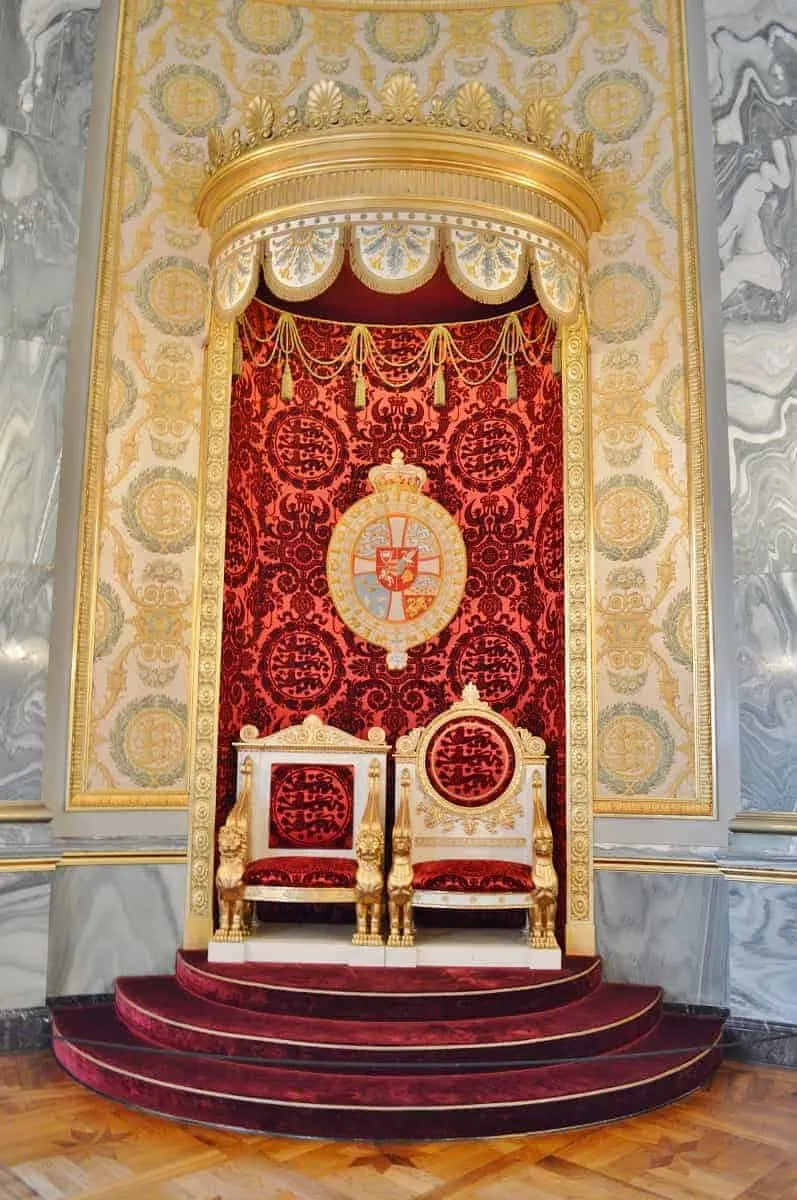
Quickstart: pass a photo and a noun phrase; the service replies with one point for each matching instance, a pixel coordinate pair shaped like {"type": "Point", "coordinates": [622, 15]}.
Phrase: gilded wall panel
{"type": "Point", "coordinates": [607, 65]}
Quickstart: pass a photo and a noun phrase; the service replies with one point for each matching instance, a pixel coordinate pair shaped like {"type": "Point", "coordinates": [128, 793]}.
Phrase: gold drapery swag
{"type": "Point", "coordinates": [439, 353]}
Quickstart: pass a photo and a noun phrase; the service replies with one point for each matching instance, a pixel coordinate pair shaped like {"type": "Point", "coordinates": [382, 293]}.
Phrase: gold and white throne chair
{"type": "Point", "coordinates": [471, 832]}
{"type": "Point", "coordinates": [307, 826]}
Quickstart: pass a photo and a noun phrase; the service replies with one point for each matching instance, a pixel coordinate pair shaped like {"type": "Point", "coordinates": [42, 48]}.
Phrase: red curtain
{"type": "Point", "coordinates": [295, 466]}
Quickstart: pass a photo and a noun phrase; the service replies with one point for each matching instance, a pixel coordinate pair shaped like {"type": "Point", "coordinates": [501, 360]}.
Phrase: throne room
{"type": "Point", "coordinates": [398, 599]}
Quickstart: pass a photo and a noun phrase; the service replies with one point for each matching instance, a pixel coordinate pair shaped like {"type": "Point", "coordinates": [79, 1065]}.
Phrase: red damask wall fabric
{"type": "Point", "coordinates": [295, 466]}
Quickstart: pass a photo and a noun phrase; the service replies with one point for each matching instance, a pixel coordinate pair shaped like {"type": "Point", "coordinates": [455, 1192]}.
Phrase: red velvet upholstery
{"type": "Point", "coordinates": [311, 806]}
{"type": "Point", "coordinates": [470, 761]}
{"type": "Point", "coordinates": [471, 875]}
{"type": "Point", "coordinates": [294, 870]}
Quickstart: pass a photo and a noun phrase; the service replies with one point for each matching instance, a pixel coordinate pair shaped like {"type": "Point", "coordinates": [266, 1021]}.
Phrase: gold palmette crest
{"type": "Point", "coordinates": [399, 97]}
{"type": "Point", "coordinates": [470, 109]}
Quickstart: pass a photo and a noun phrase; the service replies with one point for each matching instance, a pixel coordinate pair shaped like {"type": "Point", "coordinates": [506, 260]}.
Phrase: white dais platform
{"type": "Point", "coordinates": [435, 948]}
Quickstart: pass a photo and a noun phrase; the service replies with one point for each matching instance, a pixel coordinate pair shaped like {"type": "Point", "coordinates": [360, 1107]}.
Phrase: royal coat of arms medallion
{"type": "Point", "coordinates": [396, 563]}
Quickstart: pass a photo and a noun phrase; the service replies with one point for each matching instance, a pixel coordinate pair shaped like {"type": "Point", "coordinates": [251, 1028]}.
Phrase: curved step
{"type": "Point", "coordinates": [369, 993]}
{"type": "Point", "coordinates": [159, 1010]}
{"type": "Point", "coordinates": [670, 1061]}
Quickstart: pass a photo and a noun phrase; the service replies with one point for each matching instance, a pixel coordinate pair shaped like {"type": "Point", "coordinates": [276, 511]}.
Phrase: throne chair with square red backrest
{"type": "Point", "coordinates": [472, 832]}
{"type": "Point", "coordinates": [307, 826]}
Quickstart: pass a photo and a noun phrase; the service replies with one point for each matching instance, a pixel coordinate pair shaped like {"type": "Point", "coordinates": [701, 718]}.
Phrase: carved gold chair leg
{"type": "Point", "coordinates": [370, 879]}
{"type": "Point", "coordinates": [399, 883]}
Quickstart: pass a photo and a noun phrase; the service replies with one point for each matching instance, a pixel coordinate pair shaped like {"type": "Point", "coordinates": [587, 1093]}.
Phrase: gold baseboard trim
{"type": "Point", "coordinates": [25, 813]}
{"type": "Point", "coordinates": [660, 866]}
{"type": "Point", "coordinates": [690, 866]}
{"type": "Point", "coordinates": [122, 858]}
{"type": "Point", "coordinates": [103, 801]}
{"type": "Point", "coordinates": [16, 866]}
{"type": "Point", "coordinates": [91, 858]}
{"type": "Point", "coordinates": [764, 822]}
{"type": "Point", "coordinates": [766, 875]}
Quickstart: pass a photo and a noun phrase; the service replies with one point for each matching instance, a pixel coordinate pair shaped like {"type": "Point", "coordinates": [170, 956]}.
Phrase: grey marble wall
{"type": "Point", "coordinates": [763, 951]}
{"type": "Point", "coordinates": [109, 921]}
{"type": "Point", "coordinates": [24, 920]}
{"type": "Point", "coordinates": [753, 83]}
{"type": "Point", "coordinates": [46, 60]}
{"type": "Point", "coordinates": [665, 929]}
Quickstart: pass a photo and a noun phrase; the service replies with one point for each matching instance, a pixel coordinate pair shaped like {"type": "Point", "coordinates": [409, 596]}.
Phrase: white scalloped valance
{"type": "Point", "coordinates": [395, 253]}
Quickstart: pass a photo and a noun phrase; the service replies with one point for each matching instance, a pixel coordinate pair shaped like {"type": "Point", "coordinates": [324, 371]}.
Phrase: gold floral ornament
{"type": "Point", "coordinates": [396, 564]}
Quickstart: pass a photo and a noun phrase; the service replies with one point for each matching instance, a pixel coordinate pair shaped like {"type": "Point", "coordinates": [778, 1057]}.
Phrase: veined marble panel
{"type": "Point", "coordinates": [763, 436]}
{"type": "Point", "coordinates": [665, 929]}
{"type": "Point", "coordinates": [763, 951]}
{"type": "Point", "coordinates": [109, 921]}
{"type": "Point", "coordinates": [40, 186]}
{"type": "Point", "coordinates": [32, 377]}
{"type": "Point", "coordinates": [766, 621]}
{"type": "Point", "coordinates": [25, 608]}
{"type": "Point", "coordinates": [46, 63]}
{"type": "Point", "coordinates": [24, 922]}
{"type": "Point", "coordinates": [752, 50]}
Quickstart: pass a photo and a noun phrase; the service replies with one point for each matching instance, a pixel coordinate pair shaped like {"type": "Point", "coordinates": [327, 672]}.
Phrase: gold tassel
{"type": "Point", "coordinates": [439, 389]}
{"type": "Point", "coordinates": [237, 356]}
{"type": "Point", "coordinates": [359, 390]}
{"type": "Point", "coordinates": [286, 387]}
{"type": "Point", "coordinates": [511, 383]}
{"type": "Point", "coordinates": [556, 355]}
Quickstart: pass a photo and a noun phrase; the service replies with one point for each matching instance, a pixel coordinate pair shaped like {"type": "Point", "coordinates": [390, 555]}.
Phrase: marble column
{"type": "Point", "coordinates": [46, 60]}
{"type": "Point", "coordinates": [753, 82]}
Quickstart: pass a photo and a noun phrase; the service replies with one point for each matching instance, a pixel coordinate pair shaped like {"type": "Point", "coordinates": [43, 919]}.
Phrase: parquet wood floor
{"type": "Point", "coordinates": [737, 1140]}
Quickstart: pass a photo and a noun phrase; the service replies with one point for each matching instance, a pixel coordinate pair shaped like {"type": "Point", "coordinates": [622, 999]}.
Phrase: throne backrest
{"type": "Point", "coordinates": [474, 780]}
{"type": "Point", "coordinates": [304, 790]}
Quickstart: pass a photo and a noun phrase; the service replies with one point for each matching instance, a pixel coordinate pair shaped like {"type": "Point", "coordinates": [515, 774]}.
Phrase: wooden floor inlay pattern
{"type": "Point", "coordinates": [736, 1140]}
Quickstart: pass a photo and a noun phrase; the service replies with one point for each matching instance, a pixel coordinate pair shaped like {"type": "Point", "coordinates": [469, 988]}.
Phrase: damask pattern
{"type": "Point", "coordinates": [498, 471]}
{"type": "Point", "coordinates": [470, 762]}
{"type": "Point", "coordinates": [311, 806]}
{"type": "Point", "coordinates": [604, 64]}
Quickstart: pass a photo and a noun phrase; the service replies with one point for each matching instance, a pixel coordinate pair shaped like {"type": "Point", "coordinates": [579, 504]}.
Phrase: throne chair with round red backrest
{"type": "Point", "coordinates": [471, 832]}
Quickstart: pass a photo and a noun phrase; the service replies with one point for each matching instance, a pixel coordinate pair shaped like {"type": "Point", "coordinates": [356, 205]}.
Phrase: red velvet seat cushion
{"type": "Point", "coordinates": [471, 875]}
{"type": "Point", "coordinates": [300, 871]}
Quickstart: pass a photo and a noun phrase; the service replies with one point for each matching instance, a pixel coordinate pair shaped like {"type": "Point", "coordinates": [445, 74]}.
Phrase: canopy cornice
{"type": "Point", "coordinates": [399, 192]}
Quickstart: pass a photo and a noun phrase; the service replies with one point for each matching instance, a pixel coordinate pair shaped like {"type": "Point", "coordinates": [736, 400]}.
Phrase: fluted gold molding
{"type": "Point", "coordinates": [442, 171]}
{"type": "Point", "coordinates": [580, 699]}
{"type": "Point", "coordinates": [206, 642]}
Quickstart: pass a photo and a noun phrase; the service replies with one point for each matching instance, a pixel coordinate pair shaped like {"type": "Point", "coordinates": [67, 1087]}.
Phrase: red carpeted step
{"type": "Point", "coordinates": [373, 993]}
{"type": "Point", "coordinates": [677, 1056]}
{"type": "Point", "coordinates": [159, 1010]}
